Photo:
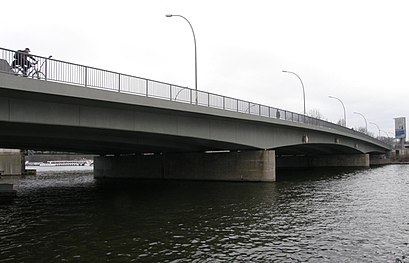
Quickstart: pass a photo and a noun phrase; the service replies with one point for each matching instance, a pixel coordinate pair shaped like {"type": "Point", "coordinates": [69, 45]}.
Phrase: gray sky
{"type": "Point", "coordinates": [356, 50]}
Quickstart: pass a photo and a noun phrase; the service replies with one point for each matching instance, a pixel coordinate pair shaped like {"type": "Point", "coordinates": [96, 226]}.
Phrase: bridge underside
{"type": "Point", "coordinates": [105, 142]}
{"type": "Point", "coordinates": [101, 141]}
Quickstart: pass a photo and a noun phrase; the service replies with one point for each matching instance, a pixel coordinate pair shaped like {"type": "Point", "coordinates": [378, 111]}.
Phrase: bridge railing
{"type": "Point", "coordinates": [65, 72]}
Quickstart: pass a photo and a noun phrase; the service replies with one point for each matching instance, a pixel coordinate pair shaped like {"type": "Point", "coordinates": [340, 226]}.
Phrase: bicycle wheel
{"type": "Point", "coordinates": [18, 71]}
{"type": "Point", "coordinates": [38, 75]}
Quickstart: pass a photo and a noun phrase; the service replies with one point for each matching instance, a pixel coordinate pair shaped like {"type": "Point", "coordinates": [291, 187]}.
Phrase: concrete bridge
{"type": "Point", "coordinates": [147, 129]}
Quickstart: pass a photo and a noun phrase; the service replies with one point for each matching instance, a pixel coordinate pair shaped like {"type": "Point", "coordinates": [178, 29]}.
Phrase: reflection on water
{"type": "Point", "coordinates": [320, 216]}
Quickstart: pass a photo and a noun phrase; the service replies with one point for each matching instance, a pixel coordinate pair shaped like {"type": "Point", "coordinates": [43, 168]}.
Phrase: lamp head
{"type": "Point", "coordinates": [169, 15]}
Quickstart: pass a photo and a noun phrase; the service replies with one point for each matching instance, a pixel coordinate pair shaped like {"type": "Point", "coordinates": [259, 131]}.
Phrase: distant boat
{"type": "Point", "coordinates": [33, 163]}
{"type": "Point", "coordinates": [62, 163]}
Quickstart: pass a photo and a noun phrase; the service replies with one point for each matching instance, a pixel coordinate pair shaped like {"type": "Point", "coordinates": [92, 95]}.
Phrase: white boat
{"type": "Point", "coordinates": [33, 163]}
{"type": "Point", "coordinates": [67, 163]}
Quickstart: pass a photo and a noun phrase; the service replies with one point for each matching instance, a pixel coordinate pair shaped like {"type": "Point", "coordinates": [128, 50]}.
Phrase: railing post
{"type": "Point", "coordinates": [191, 96]}
{"type": "Point", "coordinates": [224, 102]}
{"type": "Point", "coordinates": [237, 106]}
{"type": "Point", "coordinates": [46, 69]}
{"type": "Point", "coordinates": [119, 82]}
{"type": "Point", "coordinates": [170, 92]}
{"type": "Point", "coordinates": [147, 91]}
{"type": "Point", "coordinates": [208, 99]}
{"type": "Point", "coordinates": [86, 77]}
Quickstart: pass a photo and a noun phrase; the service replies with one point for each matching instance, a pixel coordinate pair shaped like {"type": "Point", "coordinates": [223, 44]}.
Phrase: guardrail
{"type": "Point", "coordinates": [49, 69]}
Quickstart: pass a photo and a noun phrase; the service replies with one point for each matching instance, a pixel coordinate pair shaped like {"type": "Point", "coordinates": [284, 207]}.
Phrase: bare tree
{"type": "Point", "coordinates": [363, 130]}
{"type": "Point", "coordinates": [341, 122]}
{"type": "Point", "coordinates": [315, 113]}
{"type": "Point", "coordinates": [389, 140]}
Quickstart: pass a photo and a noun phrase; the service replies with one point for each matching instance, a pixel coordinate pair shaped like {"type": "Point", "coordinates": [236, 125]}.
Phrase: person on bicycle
{"type": "Point", "coordinates": [21, 59]}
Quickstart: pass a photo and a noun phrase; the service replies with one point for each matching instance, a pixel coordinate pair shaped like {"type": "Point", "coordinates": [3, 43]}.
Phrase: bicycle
{"type": "Point", "coordinates": [35, 71]}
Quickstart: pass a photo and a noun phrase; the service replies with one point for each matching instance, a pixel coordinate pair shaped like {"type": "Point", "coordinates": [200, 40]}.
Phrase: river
{"type": "Point", "coordinates": [315, 216]}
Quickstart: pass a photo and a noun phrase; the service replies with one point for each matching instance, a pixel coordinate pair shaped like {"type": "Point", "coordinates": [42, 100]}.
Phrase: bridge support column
{"type": "Point", "coordinates": [11, 162]}
{"type": "Point", "coordinates": [251, 166]}
{"type": "Point", "coordinates": [229, 166]}
{"type": "Point", "coordinates": [129, 166]}
{"type": "Point", "coordinates": [379, 159]}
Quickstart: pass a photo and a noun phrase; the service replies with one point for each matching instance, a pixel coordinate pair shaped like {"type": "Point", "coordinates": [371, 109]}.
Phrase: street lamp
{"type": "Point", "coordinates": [366, 123]}
{"type": "Point", "coordinates": [194, 39]}
{"type": "Point", "coordinates": [379, 130]}
{"type": "Point", "coordinates": [302, 84]}
{"type": "Point", "coordinates": [345, 113]}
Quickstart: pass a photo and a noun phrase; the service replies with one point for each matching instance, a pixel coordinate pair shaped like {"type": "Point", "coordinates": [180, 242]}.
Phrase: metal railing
{"type": "Point", "coordinates": [65, 72]}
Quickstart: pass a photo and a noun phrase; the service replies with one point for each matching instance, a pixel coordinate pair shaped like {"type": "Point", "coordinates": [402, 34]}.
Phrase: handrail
{"type": "Point", "coordinates": [92, 77]}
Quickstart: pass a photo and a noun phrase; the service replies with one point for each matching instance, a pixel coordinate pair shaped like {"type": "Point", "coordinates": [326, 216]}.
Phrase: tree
{"type": "Point", "coordinates": [363, 130]}
{"type": "Point", "coordinates": [341, 122]}
{"type": "Point", "coordinates": [315, 113]}
{"type": "Point", "coordinates": [388, 140]}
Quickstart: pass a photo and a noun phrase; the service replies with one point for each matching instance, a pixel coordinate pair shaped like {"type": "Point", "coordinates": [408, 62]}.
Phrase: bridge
{"type": "Point", "coordinates": [142, 128]}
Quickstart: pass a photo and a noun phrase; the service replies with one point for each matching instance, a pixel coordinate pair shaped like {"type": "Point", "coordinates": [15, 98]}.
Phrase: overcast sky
{"type": "Point", "coordinates": [354, 50]}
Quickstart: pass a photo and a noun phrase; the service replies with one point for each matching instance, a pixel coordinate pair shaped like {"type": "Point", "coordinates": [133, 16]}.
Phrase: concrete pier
{"type": "Point", "coordinates": [251, 166]}
{"type": "Point", "coordinates": [380, 159]}
{"type": "Point", "coordinates": [11, 162]}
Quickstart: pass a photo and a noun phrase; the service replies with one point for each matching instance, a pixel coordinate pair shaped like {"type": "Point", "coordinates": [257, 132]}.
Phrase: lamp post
{"type": "Point", "coordinates": [366, 123]}
{"type": "Point", "coordinates": [302, 84]}
{"type": "Point", "coordinates": [194, 39]}
{"type": "Point", "coordinates": [345, 113]}
{"type": "Point", "coordinates": [379, 130]}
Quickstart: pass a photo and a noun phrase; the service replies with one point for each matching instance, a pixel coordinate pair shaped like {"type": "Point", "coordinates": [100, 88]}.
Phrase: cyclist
{"type": "Point", "coordinates": [21, 59]}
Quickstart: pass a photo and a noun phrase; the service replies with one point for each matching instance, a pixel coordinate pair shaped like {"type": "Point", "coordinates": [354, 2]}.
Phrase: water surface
{"type": "Point", "coordinates": [318, 216]}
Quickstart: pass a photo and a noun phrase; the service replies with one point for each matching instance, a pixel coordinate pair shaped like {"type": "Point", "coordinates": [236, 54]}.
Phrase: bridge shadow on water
{"type": "Point", "coordinates": [296, 175]}
{"type": "Point", "coordinates": [169, 191]}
